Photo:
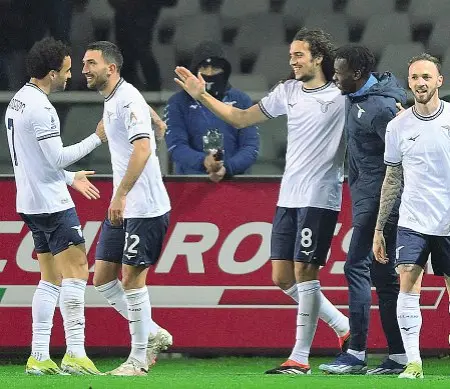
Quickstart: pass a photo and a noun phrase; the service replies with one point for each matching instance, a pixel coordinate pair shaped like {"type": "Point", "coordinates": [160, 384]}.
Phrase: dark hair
{"type": "Point", "coordinates": [320, 45]}
{"type": "Point", "coordinates": [46, 55]}
{"type": "Point", "coordinates": [358, 58]}
{"type": "Point", "coordinates": [426, 57]}
{"type": "Point", "coordinates": [110, 52]}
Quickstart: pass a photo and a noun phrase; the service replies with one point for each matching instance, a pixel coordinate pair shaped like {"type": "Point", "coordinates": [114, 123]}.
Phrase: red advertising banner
{"type": "Point", "coordinates": [212, 286]}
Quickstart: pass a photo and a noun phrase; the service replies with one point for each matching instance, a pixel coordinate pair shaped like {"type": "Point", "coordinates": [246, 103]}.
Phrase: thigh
{"type": "Point", "coordinates": [144, 239]}
{"type": "Point", "coordinates": [39, 238]}
{"type": "Point", "coordinates": [50, 272]}
{"type": "Point", "coordinates": [413, 248]}
{"type": "Point", "coordinates": [62, 229]}
{"type": "Point", "coordinates": [111, 243]}
{"type": "Point", "coordinates": [315, 230]}
{"type": "Point", "coordinates": [284, 233]}
{"type": "Point", "coordinates": [440, 255]}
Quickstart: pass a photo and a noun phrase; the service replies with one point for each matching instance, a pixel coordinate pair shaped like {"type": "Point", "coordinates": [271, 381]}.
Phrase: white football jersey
{"type": "Point", "coordinates": [41, 187]}
{"type": "Point", "coordinates": [314, 170]}
{"type": "Point", "coordinates": [126, 118]}
{"type": "Point", "coordinates": [421, 144]}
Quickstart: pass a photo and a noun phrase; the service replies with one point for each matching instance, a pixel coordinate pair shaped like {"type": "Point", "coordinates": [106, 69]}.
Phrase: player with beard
{"type": "Point", "coordinates": [131, 237]}
{"type": "Point", "coordinates": [418, 148]}
{"type": "Point", "coordinates": [44, 203]}
{"type": "Point", "coordinates": [311, 187]}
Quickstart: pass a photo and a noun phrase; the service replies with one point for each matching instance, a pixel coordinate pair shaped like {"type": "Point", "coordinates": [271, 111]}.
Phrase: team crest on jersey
{"type": "Point", "coordinates": [324, 104]}
{"type": "Point", "coordinates": [133, 119]}
{"type": "Point", "coordinates": [447, 128]}
{"type": "Point", "coordinates": [109, 114]}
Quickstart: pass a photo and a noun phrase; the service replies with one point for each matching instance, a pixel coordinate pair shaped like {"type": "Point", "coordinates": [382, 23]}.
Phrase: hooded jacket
{"type": "Point", "coordinates": [367, 116]}
{"type": "Point", "coordinates": [188, 121]}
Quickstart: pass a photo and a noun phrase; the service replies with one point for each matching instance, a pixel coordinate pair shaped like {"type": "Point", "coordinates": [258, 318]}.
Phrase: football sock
{"type": "Point", "coordinates": [410, 322]}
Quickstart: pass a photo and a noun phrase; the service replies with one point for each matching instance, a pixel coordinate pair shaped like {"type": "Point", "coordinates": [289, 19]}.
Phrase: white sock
{"type": "Point", "coordinates": [43, 308]}
{"type": "Point", "coordinates": [141, 325]}
{"type": "Point", "coordinates": [399, 358]}
{"type": "Point", "coordinates": [113, 292]}
{"type": "Point", "coordinates": [307, 316]}
{"type": "Point", "coordinates": [327, 312]}
{"type": "Point", "coordinates": [361, 355]}
{"type": "Point", "coordinates": [72, 310]}
{"type": "Point", "coordinates": [410, 322]}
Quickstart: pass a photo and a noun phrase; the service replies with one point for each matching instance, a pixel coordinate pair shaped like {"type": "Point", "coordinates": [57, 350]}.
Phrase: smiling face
{"type": "Point", "coordinates": [305, 67]}
{"type": "Point", "coordinates": [96, 70]}
{"type": "Point", "coordinates": [59, 78]}
{"type": "Point", "coordinates": [424, 81]}
{"type": "Point", "coordinates": [344, 77]}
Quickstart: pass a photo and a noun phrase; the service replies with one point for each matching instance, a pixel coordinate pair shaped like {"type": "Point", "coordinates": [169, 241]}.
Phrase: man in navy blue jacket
{"type": "Point", "coordinates": [371, 104]}
{"type": "Point", "coordinates": [188, 121]}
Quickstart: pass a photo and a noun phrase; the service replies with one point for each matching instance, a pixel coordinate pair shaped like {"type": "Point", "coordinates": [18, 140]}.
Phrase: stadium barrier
{"type": "Point", "coordinates": [212, 286]}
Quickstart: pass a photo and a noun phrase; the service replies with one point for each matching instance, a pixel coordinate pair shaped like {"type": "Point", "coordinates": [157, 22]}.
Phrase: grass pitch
{"type": "Point", "coordinates": [223, 373]}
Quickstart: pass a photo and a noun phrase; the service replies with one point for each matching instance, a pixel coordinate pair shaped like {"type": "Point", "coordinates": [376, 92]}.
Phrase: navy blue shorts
{"type": "Point", "coordinates": [137, 243]}
{"type": "Point", "coordinates": [414, 248]}
{"type": "Point", "coordinates": [303, 234]}
{"type": "Point", "coordinates": [54, 232]}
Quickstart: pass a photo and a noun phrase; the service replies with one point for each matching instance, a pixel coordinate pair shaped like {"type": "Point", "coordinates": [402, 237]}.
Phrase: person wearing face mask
{"type": "Point", "coordinates": [192, 128]}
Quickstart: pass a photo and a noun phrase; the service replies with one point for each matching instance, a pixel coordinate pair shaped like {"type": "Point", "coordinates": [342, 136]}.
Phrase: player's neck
{"type": "Point", "coordinates": [112, 82]}
{"type": "Point", "coordinates": [316, 82]}
{"type": "Point", "coordinates": [41, 84]}
{"type": "Point", "coordinates": [429, 108]}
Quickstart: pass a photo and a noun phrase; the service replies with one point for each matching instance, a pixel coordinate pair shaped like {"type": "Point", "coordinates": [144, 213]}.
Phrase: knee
{"type": "Point", "coordinates": [282, 283]}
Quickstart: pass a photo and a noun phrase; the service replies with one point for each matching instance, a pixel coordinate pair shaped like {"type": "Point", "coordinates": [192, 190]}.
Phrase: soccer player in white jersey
{"type": "Point", "coordinates": [418, 148]}
{"type": "Point", "coordinates": [311, 187]}
{"type": "Point", "coordinates": [131, 238]}
{"type": "Point", "coordinates": [44, 203]}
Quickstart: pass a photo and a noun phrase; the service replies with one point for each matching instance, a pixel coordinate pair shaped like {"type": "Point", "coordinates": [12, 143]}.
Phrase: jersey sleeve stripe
{"type": "Point", "coordinates": [47, 136]}
{"type": "Point", "coordinates": [392, 163]}
{"type": "Point", "coordinates": [264, 110]}
{"type": "Point", "coordinates": [139, 136]}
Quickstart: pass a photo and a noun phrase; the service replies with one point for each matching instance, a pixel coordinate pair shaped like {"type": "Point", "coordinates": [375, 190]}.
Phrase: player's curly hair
{"type": "Point", "coordinates": [358, 58]}
{"type": "Point", "coordinates": [46, 55]}
{"type": "Point", "coordinates": [320, 45]}
{"type": "Point", "coordinates": [426, 57]}
{"type": "Point", "coordinates": [110, 52]}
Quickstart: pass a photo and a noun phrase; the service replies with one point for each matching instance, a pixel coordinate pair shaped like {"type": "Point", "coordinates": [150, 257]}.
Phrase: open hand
{"type": "Point", "coordinates": [82, 184]}
{"type": "Point", "coordinates": [195, 86]}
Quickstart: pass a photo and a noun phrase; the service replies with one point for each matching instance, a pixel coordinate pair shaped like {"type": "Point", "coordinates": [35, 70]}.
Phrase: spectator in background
{"type": "Point", "coordinates": [188, 122]}
{"type": "Point", "coordinates": [135, 21]}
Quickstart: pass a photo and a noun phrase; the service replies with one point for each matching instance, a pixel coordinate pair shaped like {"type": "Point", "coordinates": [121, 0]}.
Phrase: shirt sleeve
{"type": "Point", "coordinates": [392, 152]}
{"type": "Point", "coordinates": [137, 120]}
{"type": "Point", "coordinates": [45, 122]}
{"type": "Point", "coordinates": [381, 120]}
{"type": "Point", "coordinates": [275, 103]}
{"type": "Point", "coordinates": [69, 177]}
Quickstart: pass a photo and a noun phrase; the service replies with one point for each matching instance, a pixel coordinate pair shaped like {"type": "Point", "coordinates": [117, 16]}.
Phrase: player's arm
{"type": "Point", "coordinates": [80, 182]}
{"type": "Point", "coordinates": [238, 118]}
{"type": "Point", "coordinates": [161, 126]}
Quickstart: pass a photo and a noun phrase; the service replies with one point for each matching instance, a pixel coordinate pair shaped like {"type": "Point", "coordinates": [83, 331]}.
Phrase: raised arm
{"type": "Point", "coordinates": [238, 118]}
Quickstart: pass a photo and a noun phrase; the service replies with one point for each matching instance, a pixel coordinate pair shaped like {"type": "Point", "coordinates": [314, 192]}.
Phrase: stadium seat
{"type": "Point", "coordinates": [165, 56]}
{"type": "Point", "coordinates": [334, 24]}
{"type": "Point", "coordinates": [249, 82]}
{"type": "Point", "coordinates": [257, 31]}
{"type": "Point", "coordinates": [233, 12]}
{"type": "Point", "coordinates": [80, 122]}
{"type": "Point", "coordinates": [192, 30]}
{"type": "Point", "coordinates": [427, 12]}
{"type": "Point", "coordinates": [295, 12]}
{"type": "Point", "coordinates": [102, 13]}
{"type": "Point", "coordinates": [359, 11]}
{"type": "Point", "coordinates": [169, 16]}
{"type": "Point", "coordinates": [273, 63]}
{"type": "Point", "coordinates": [380, 29]}
{"type": "Point", "coordinates": [446, 66]}
{"type": "Point", "coordinates": [395, 58]}
{"type": "Point", "coordinates": [440, 37]}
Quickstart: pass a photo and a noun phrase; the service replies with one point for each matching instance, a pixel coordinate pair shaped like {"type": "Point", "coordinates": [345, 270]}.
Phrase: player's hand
{"type": "Point", "coordinates": [115, 210]}
{"type": "Point", "coordinates": [100, 131]}
{"type": "Point", "coordinates": [218, 176]}
{"type": "Point", "coordinates": [84, 186]}
{"type": "Point", "coordinates": [379, 247]}
{"type": "Point", "coordinates": [161, 128]}
{"type": "Point", "coordinates": [195, 86]}
{"type": "Point", "coordinates": [400, 109]}
{"type": "Point", "coordinates": [211, 165]}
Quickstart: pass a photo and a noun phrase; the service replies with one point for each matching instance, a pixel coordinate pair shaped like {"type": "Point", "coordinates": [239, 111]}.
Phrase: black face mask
{"type": "Point", "coordinates": [216, 85]}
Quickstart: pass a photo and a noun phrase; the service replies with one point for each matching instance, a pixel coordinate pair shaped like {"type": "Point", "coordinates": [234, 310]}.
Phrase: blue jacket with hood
{"type": "Point", "coordinates": [367, 115]}
{"type": "Point", "coordinates": [188, 121]}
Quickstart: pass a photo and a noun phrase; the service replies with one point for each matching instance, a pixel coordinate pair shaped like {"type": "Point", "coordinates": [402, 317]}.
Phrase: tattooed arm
{"type": "Point", "coordinates": [389, 192]}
